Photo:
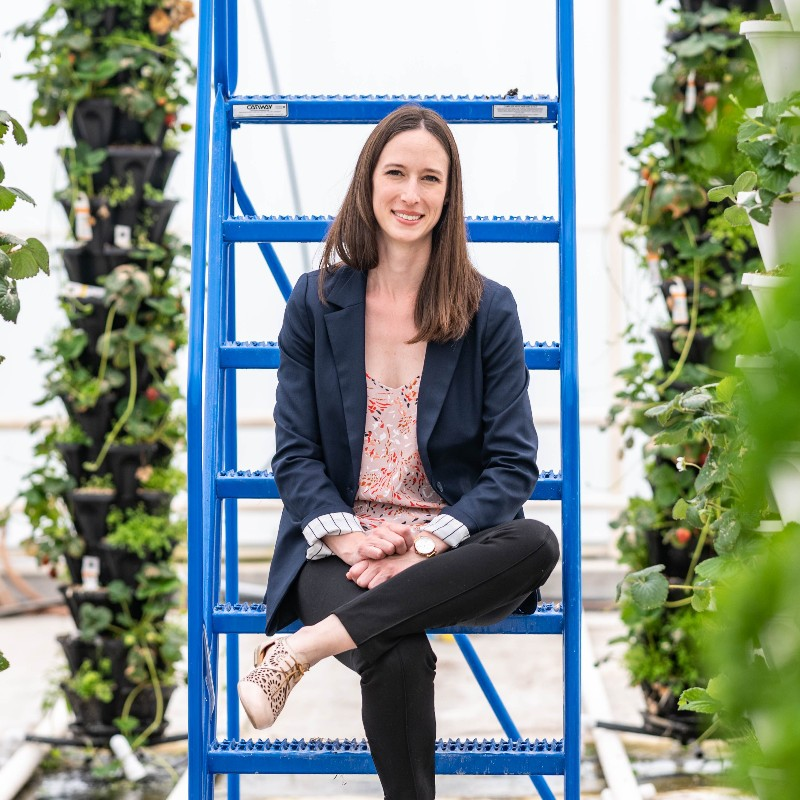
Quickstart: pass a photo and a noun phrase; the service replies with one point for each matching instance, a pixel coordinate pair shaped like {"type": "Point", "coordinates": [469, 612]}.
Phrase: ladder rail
{"type": "Point", "coordinates": [212, 453]}
{"type": "Point", "coordinates": [231, 517]}
{"type": "Point", "coordinates": [199, 491]}
{"type": "Point", "coordinates": [570, 433]}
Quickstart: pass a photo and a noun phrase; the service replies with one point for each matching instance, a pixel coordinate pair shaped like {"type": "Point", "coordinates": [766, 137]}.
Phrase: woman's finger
{"type": "Point", "coordinates": [357, 569]}
{"type": "Point", "coordinates": [394, 540]}
{"type": "Point", "coordinates": [407, 532]}
{"type": "Point", "coordinates": [372, 549]}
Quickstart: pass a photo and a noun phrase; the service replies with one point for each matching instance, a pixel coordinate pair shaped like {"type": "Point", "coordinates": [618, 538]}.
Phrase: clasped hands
{"type": "Point", "coordinates": [378, 554]}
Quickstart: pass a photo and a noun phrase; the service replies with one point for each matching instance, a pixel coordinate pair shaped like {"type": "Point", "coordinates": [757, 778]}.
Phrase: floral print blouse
{"type": "Point", "coordinates": [392, 485]}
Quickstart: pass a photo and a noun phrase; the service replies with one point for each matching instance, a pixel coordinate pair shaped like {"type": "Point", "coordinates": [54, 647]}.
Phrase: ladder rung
{"type": "Point", "coordinates": [265, 355]}
{"type": "Point", "coordinates": [252, 618]}
{"type": "Point", "coordinates": [259, 484]}
{"type": "Point", "coordinates": [320, 109]}
{"type": "Point", "coordinates": [314, 228]}
{"type": "Point", "coordinates": [352, 756]}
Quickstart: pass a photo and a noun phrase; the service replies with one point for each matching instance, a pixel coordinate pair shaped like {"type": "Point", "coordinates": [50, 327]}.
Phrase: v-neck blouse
{"type": "Point", "coordinates": [392, 484]}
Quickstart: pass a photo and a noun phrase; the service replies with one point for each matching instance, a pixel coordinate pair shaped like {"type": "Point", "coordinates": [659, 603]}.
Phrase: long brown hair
{"type": "Point", "coordinates": [451, 288]}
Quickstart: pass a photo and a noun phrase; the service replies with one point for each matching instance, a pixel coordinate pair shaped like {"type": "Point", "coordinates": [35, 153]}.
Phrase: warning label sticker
{"type": "Point", "coordinates": [260, 110]}
{"type": "Point", "coordinates": [519, 112]}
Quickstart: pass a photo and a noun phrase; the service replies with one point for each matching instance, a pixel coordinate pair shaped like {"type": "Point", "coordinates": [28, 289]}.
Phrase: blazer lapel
{"type": "Point", "coordinates": [437, 374]}
{"type": "Point", "coordinates": [346, 334]}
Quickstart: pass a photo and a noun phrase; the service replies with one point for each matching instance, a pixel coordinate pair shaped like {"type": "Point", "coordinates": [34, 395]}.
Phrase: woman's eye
{"type": "Point", "coordinates": [393, 172]}
{"type": "Point", "coordinates": [432, 179]}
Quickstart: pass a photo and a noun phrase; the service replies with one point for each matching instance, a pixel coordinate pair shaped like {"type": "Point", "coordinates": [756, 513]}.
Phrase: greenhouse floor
{"type": "Point", "coordinates": [527, 672]}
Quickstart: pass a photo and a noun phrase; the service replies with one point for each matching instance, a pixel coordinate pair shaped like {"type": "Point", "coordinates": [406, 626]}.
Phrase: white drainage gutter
{"type": "Point", "coordinates": [614, 761]}
{"type": "Point", "coordinates": [181, 789]}
{"type": "Point", "coordinates": [19, 769]}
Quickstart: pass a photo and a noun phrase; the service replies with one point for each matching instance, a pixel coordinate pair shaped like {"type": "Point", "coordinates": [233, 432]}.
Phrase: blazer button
{"type": "Point", "coordinates": [439, 487]}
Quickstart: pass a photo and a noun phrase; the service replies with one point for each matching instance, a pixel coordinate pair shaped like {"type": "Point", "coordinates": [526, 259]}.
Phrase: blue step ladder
{"type": "Point", "coordinates": [216, 482]}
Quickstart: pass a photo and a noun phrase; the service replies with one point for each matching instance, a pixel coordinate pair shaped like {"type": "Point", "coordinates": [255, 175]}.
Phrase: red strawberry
{"type": "Point", "coordinates": [682, 535]}
{"type": "Point", "coordinates": [709, 103]}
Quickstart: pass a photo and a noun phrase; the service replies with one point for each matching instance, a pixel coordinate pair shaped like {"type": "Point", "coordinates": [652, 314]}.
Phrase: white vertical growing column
{"type": "Point", "coordinates": [776, 46]}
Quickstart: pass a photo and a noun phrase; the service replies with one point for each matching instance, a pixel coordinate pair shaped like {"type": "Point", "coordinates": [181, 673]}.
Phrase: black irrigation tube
{"type": "Point", "coordinates": [56, 741]}
{"type": "Point", "coordinates": [29, 606]}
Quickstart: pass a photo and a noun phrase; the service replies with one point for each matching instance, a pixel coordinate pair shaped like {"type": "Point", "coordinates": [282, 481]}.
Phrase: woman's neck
{"type": "Point", "coordinates": [400, 269]}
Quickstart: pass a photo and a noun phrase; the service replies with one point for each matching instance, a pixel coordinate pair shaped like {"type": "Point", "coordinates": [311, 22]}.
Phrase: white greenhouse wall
{"type": "Point", "coordinates": [357, 46]}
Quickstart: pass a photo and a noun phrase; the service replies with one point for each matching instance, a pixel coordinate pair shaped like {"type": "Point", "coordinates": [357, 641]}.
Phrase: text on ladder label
{"type": "Point", "coordinates": [260, 110]}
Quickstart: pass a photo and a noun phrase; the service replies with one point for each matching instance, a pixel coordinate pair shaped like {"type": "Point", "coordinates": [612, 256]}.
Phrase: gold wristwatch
{"type": "Point", "coordinates": [425, 546]}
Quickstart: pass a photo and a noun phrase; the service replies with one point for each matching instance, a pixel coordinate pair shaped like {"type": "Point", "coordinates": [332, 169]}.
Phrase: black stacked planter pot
{"type": "Point", "coordinates": [93, 121]}
{"type": "Point", "coordinates": [163, 168]}
{"type": "Point", "coordinates": [96, 719]}
{"type": "Point", "coordinates": [123, 461]}
{"type": "Point", "coordinates": [89, 510]}
{"type": "Point", "coordinates": [162, 211]}
{"type": "Point", "coordinates": [94, 422]}
{"type": "Point", "coordinates": [86, 265]}
{"type": "Point", "coordinates": [73, 455]}
{"type": "Point", "coordinates": [134, 156]}
{"type": "Point", "coordinates": [700, 351]}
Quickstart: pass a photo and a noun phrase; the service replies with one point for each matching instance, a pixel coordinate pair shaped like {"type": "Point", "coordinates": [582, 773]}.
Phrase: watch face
{"type": "Point", "coordinates": [424, 545]}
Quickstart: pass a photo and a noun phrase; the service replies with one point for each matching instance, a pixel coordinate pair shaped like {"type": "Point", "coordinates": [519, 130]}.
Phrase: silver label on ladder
{"type": "Point", "coordinates": [519, 112]}
{"type": "Point", "coordinates": [212, 695]}
{"type": "Point", "coordinates": [260, 110]}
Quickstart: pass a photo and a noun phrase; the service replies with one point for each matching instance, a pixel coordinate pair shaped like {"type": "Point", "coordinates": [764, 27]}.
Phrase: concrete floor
{"type": "Point", "coordinates": [527, 670]}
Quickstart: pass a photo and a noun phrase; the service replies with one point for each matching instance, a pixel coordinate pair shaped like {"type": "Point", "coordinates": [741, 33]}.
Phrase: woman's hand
{"type": "Point", "coordinates": [388, 539]}
{"type": "Point", "coordinates": [385, 540]}
{"type": "Point", "coordinates": [370, 573]}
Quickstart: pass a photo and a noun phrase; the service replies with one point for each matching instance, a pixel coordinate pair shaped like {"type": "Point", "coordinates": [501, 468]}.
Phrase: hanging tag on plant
{"type": "Point", "coordinates": [710, 102]}
{"type": "Point", "coordinates": [679, 305]}
{"type": "Point", "coordinates": [122, 236]}
{"type": "Point", "coordinates": [73, 289]}
{"type": "Point", "coordinates": [90, 573]}
{"type": "Point", "coordinates": [654, 267]}
{"type": "Point", "coordinates": [690, 100]}
{"type": "Point", "coordinates": [83, 218]}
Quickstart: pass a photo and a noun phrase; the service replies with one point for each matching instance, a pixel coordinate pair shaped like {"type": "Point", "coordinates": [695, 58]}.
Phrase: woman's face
{"type": "Point", "coordinates": [409, 187]}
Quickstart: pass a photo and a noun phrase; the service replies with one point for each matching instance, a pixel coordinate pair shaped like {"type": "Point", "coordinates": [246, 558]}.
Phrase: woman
{"type": "Point", "coordinates": [405, 450]}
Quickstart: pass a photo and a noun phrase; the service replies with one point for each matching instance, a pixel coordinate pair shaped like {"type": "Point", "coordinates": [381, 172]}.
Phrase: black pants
{"type": "Point", "coordinates": [483, 580]}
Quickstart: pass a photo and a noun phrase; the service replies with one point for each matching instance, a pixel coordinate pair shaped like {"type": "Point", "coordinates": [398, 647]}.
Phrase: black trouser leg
{"type": "Point", "coordinates": [486, 578]}
{"type": "Point", "coordinates": [397, 705]}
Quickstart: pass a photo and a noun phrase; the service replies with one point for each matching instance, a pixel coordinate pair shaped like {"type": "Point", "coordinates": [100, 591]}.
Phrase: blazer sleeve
{"type": "Point", "coordinates": [510, 442]}
{"type": "Point", "coordinates": [300, 474]}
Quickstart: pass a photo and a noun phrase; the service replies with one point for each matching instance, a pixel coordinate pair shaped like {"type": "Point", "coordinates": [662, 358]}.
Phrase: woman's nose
{"type": "Point", "coordinates": [409, 194]}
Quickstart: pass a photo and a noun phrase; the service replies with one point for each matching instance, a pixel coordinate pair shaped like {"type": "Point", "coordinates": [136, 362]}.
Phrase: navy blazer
{"type": "Point", "coordinates": [475, 434]}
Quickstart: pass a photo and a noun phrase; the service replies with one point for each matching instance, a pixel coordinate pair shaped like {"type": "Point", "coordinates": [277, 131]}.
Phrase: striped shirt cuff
{"type": "Point", "coordinates": [328, 525]}
{"type": "Point", "coordinates": [447, 528]}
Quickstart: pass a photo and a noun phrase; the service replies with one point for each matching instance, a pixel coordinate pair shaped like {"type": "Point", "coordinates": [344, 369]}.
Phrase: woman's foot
{"type": "Point", "coordinates": [263, 691]}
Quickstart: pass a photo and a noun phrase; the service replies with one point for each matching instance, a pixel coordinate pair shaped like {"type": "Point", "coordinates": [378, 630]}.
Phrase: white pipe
{"type": "Point", "coordinates": [611, 753]}
{"type": "Point", "coordinates": [17, 771]}
{"type": "Point", "coordinates": [181, 789]}
{"type": "Point", "coordinates": [131, 766]}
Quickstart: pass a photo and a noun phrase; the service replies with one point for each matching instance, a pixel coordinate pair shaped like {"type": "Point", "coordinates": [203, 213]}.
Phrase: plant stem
{"type": "Point", "coordinates": [101, 372]}
{"type": "Point", "coordinates": [111, 438]}
{"type": "Point", "coordinates": [677, 603]}
{"type": "Point", "coordinates": [692, 328]}
{"type": "Point", "coordinates": [701, 541]}
{"type": "Point", "coordinates": [707, 732]}
{"type": "Point", "coordinates": [689, 588]}
{"type": "Point", "coordinates": [648, 191]}
{"type": "Point", "coordinates": [156, 684]}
